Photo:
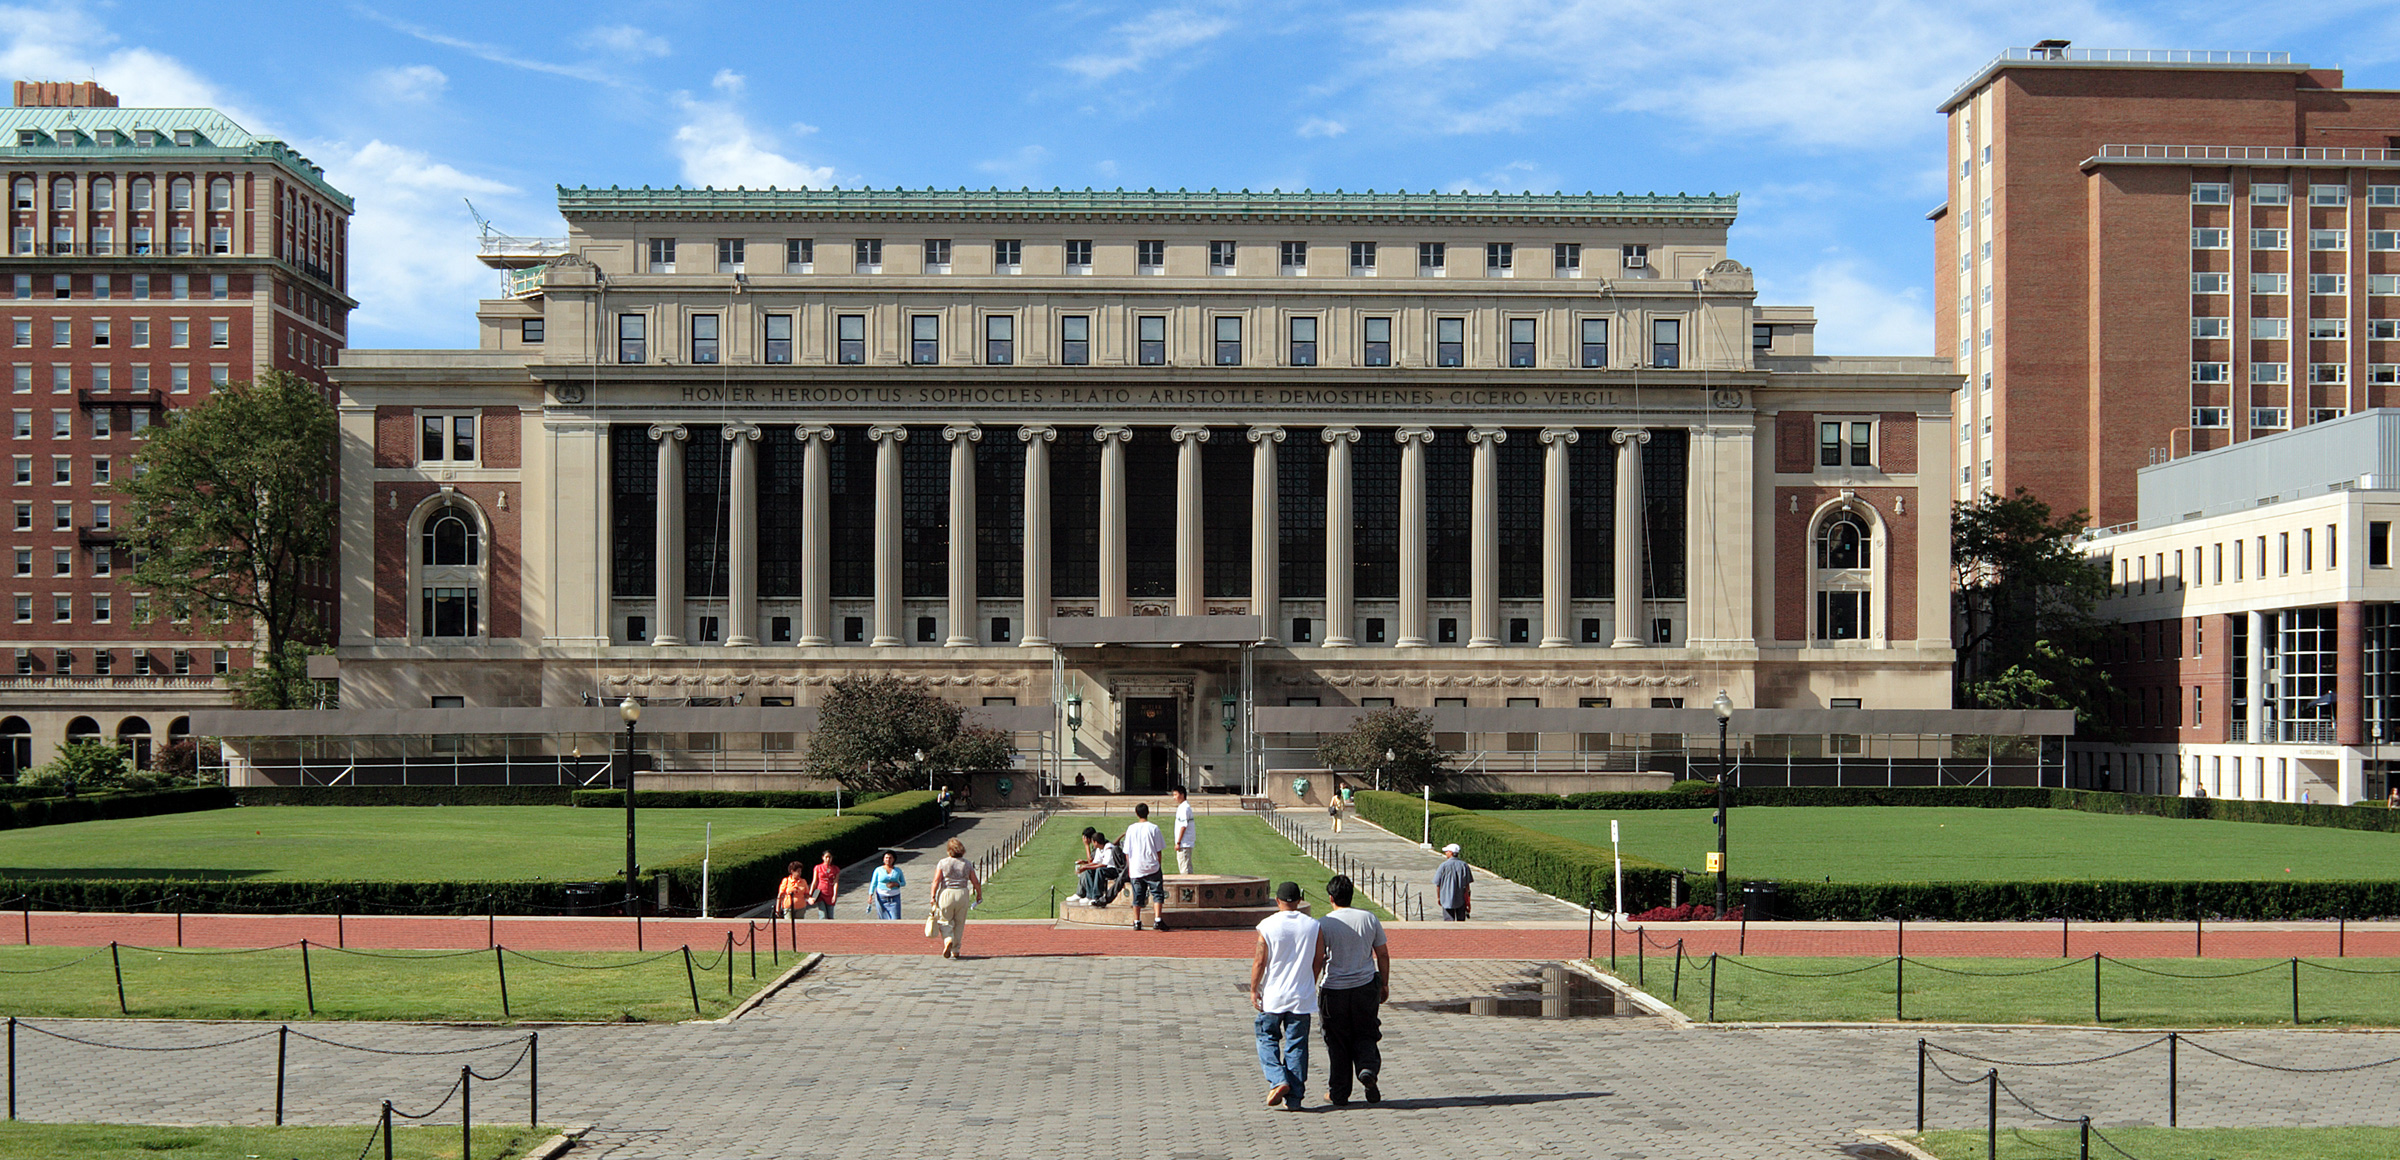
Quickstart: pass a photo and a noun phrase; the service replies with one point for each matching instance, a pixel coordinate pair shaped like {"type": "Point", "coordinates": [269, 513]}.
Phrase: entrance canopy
{"type": "Point", "coordinates": [1094, 631]}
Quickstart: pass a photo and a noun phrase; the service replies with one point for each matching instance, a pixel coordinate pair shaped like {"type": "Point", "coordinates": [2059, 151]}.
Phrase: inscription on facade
{"type": "Point", "coordinates": [1051, 397]}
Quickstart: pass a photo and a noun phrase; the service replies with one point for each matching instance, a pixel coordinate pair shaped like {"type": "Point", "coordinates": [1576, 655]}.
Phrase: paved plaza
{"type": "Point", "coordinates": [1067, 1056]}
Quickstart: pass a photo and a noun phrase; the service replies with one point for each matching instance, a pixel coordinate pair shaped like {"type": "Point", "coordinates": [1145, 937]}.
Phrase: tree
{"type": "Point", "coordinates": [1406, 734]}
{"type": "Point", "coordinates": [870, 730]}
{"type": "Point", "coordinates": [2027, 598]}
{"type": "Point", "coordinates": [228, 502]}
{"type": "Point", "coordinates": [82, 765]}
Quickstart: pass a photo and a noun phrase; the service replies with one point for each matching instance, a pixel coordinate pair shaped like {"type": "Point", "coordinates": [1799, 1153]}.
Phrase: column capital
{"type": "Point", "coordinates": [892, 431]}
{"type": "Point", "coordinates": [675, 431]}
{"type": "Point", "coordinates": [1487, 434]}
{"type": "Point", "coordinates": [740, 430]}
{"type": "Point", "coordinates": [1106, 435]}
{"type": "Point", "coordinates": [1340, 434]}
{"type": "Point", "coordinates": [967, 431]}
{"type": "Point", "coordinates": [1407, 435]}
{"type": "Point", "coordinates": [807, 431]}
{"type": "Point", "coordinates": [1629, 435]}
{"type": "Point", "coordinates": [1266, 434]}
{"type": "Point", "coordinates": [1189, 432]}
{"type": "Point", "coordinates": [1560, 435]}
{"type": "Point", "coordinates": [1038, 433]}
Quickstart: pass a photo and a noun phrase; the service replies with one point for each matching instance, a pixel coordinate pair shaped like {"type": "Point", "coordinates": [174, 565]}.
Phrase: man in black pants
{"type": "Point", "coordinates": [1358, 981]}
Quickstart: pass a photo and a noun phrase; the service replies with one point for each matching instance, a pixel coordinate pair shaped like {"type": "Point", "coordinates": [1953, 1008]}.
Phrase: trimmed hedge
{"type": "Point", "coordinates": [2087, 901]}
{"type": "Point", "coordinates": [52, 811]}
{"type": "Point", "coordinates": [2357, 817]}
{"type": "Point", "coordinates": [173, 894]}
{"type": "Point", "coordinates": [749, 868]}
{"type": "Point", "coordinates": [1560, 867]}
{"type": "Point", "coordinates": [403, 795]}
{"type": "Point", "coordinates": [721, 799]}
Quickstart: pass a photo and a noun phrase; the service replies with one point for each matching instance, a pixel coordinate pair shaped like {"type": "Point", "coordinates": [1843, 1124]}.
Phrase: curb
{"type": "Point", "coordinates": [1640, 998]}
{"type": "Point", "coordinates": [1899, 1143]}
{"type": "Point", "coordinates": [558, 1145]}
{"type": "Point", "coordinates": [768, 992]}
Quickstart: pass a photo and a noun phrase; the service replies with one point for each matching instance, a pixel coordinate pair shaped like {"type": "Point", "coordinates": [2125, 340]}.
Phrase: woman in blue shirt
{"type": "Point", "coordinates": [885, 886]}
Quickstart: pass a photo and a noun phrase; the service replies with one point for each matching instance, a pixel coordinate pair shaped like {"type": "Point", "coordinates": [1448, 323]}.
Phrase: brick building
{"type": "Point", "coordinates": [153, 255]}
{"type": "Point", "coordinates": [2147, 254]}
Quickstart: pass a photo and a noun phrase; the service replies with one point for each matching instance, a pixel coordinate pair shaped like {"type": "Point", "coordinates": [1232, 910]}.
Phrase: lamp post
{"type": "Point", "coordinates": [1074, 727]}
{"type": "Point", "coordinates": [1724, 709]}
{"type": "Point", "coordinates": [928, 771]}
{"type": "Point", "coordinates": [631, 710]}
{"type": "Point", "coordinates": [1388, 758]}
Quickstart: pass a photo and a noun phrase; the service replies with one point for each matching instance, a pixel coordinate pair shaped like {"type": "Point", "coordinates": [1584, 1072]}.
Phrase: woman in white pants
{"type": "Point", "coordinates": [953, 878]}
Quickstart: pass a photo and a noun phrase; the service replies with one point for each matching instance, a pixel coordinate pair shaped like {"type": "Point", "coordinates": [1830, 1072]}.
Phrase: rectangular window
{"type": "Point", "coordinates": [1229, 341]}
{"type": "Point", "coordinates": [1008, 256]}
{"type": "Point", "coordinates": [1079, 257]}
{"type": "Point", "coordinates": [62, 424]}
{"type": "Point", "coordinates": [2211, 239]}
{"type": "Point", "coordinates": [1220, 257]}
{"type": "Point", "coordinates": [446, 438]}
{"type": "Point", "coordinates": [1637, 257]}
{"type": "Point", "coordinates": [1666, 342]}
{"type": "Point", "coordinates": [2383, 284]}
{"type": "Point", "coordinates": [1362, 259]}
{"type": "Point", "coordinates": [1150, 257]}
{"type": "Point", "coordinates": [2379, 544]}
{"type": "Point", "coordinates": [999, 340]}
{"type": "Point", "coordinates": [779, 338]}
{"type": "Point", "coordinates": [2268, 418]}
{"type": "Point", "coordinates": [2265, 372]}
{"type": "Point", "coordinates": [866, 256]}
{"type": "Point", "coordinates": [2383, 241]}
{"type": "Point", "coordinates": [1430, 258]}
{"type": "Point", "coordinates": [2212, 417]}
{"type": "Point", "coordinates": [662, 255]}
{"type": "Point", "coordinates": [2270, 193]}
{"type": "Point", "coordinates": [2212, 193]}
{"type": "Point", "coordinates": [1377, 340]}
{"type": "Point", "coordinates": [632, 338]}
{"type": "Point", "coordinates": [2268, 240]}
{"type": "Point", "coordinates": [530, 331]}
{"type": "Point", "coordinates": [1150, 341]}
{"type": "Point", "coordinates": [850, 339]}
{"type": "Point", "coordinates": [704, 338]}
{"type": "Point", "coordinates": [799, 255]}
{"type": "Point", "coordinates": [1074, 340]}
{"type": "Point", "coordinates": [1499, 259]}
{"type": "Point", "coordinates": [1304, 342]}
{"type": "Point", "coordinates": [1293, 259]}
{"type": "Point", "coordinates": [2329, 239]}
{"type": "Point", "coordinates": [1595, 342]}
{"type": "Point", "coordinates": [2329, 195]}
{"type": "Point", "coordinates": [2327, 374]}
{"type": "Point", "coordinates": [450, 612]}
{"type": "Point", "coordinates": [2328, 285]}
{"type": "Point", "coordinates": [141, 333]}
{"type": "Point", "coordinates": [937, 255]}
{"type": "Point", "coordinates": [2212, 283]}
{"type": "Point", "coordinates": [1520, 342]}
{"type": "Point", "coordinates": [2269, 328]}
{"type": "Point", "coordinates": [730, 255]}
{"type": "Point", "coordinates": [1450, 342]}
{"type": "Point", "coordinates": [1566, 260]}
{"type": "Point", "coordinates": [924, 339]}
{"type": "Point", "coordinates": [1762, 338]}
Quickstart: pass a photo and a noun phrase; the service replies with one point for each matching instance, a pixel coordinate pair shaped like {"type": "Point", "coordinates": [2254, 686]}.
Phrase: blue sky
{"type": "Point", "coordinates": [1819, 114]}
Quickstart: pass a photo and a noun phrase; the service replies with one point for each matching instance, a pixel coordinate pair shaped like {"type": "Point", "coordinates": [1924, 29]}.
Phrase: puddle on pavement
{"type": "Point", "coordinates": [1556, 993]}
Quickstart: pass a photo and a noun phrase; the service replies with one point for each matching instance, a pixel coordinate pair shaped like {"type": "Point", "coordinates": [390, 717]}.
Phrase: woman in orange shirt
{"type": "Point", "coordinates": [789, 895]}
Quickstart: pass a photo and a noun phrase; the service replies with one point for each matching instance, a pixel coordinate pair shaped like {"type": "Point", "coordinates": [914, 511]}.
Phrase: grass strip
{"type": "Point", "coordinates": [1224, 844]}
{"type": "Point", "coordinates": [26, 1141]}
{"type": "Point", "coordinates": [2175, 1143]}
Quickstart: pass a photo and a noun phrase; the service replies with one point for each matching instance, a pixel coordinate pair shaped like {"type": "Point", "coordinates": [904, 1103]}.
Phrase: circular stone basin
{"type": "Point", "coordinates": [1193, 901]}
{"type": "Point", "coordinates": [1210, 891]}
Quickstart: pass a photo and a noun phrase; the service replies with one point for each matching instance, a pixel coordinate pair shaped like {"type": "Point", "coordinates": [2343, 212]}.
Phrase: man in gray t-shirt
{"type": "Point", "coordinates": [1358, 980]}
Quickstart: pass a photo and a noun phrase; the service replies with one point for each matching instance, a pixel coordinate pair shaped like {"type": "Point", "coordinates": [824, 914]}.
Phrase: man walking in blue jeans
{"type": "Point", "coordinates": [1283, 987]}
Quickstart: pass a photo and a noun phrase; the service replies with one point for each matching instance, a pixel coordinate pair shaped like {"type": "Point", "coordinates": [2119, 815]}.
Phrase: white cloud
{"type": "Point", "coordinates": [624, 40]}
{"type": "Point", "coordinates": [719, 146]}
{"type": "Point", "coordinates": [494, 53]}
{"type": "Point", "coordinates": [1023, 166]}
{"type": "Point", "coordinates": [1321, 127]}
{"type": "Point", "coordinates": [1135, 43]}
{"type": "Point", "coordinates": [417, 82]}
{"type": "Point", "coordinates": [728, 82]}
{"type": "Point", "coordinates": [1859, 312]}
{"type": "Point", "coordinates": [412, 238]}
{"type": "Point", "coordinates": [63, 44]}
{"type": "Point", "coordinates": [1514, 177]}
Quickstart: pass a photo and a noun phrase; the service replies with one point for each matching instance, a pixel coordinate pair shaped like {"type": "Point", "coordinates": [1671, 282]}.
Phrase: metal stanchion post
{"type": "Point", "coordinates": [729, 964]}
{"type": "Point", "coordinates": [1712, 986]}
{"type": "Point", "coordinates": [500, 964]}
{"type": "Point", "coordinates": [118, 966]}
{"type": "Point", "coordinates": [283, 1043]}
{"type": "Point", "coordinates": [307, 981]}
{"type": "Point", "coordinates": [691, 978]}
{"type": "Point", "coordinates": [1991, 1115]}
{"type": "Point", "coordinates": [533, 1079]}
{"type": "Point", "coordinates": [2174, 1040]}
{"type": "Point", "coordinates": [2095, 986]}
{"type": "Point", "coordinates": [466, 1112]}
{"type": "Point", "coordinates": [1920, 1087]}
{"type": "Point", "coordinates": [387, 1130]}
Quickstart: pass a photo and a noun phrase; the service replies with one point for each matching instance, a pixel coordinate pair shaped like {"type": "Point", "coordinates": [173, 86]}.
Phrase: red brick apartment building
{"type": "Point", "coordinates": [153, 255]}
{"type": "Point", "coordinates": [2150, 253]}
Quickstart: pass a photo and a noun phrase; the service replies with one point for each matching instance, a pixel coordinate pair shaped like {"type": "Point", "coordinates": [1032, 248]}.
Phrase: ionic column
{"type": "Point", "coordinates": [1036, 631]}
{"type": "Point", "coordinates": [962, 437]}
{"type": "Point", "coordinates": [1413, 442]}
{"type": "Point", "coordinates": [669, 610]}
{"type": "Point", "coordinates": [1483, 538]}
{"type": "Point", "coordinates": [1338, 611]}
{"type": "Point", "coordinates": [1630, 630]}
{"type": "Point", "coordinates": [816, 536]}
{"type": "Point", "coordinates": [888, 438]}
{"type": "Point", "coordinates": [1266, 533]}
{"type": "Point", "coordinates": [741, 565]}
{"type": "Point", "coordinates": [1191, 587]}
{"type": "Point", "coordinates": [1112, 519]}
{"type": "Point", "coordinates": [1557, 570]}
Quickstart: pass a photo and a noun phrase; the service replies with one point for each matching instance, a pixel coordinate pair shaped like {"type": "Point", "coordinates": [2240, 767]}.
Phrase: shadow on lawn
{"type": "Point", "coordinates": [151, 873]}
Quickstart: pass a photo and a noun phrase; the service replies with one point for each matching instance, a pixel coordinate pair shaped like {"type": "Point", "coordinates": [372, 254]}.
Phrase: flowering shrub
{"type": "Point", "coordinates": [1688, 912]}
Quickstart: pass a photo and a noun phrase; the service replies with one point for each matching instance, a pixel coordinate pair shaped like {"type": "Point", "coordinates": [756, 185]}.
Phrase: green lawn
{"type": "Point", "coordinates": [2243, 993]}
{"type": "Point", "coordinates": [2177, 1143]}
{"type": "Point", "coordinates": [374, 843]}
{"type": "Point", "coordinates": [1910, 844]}
{"type": "Point", "coordinates": [1224, 844]}
{"type": "Point", "coordinates": [23, 1141]}
{"type": "Point", "coordinates": [435, 986]}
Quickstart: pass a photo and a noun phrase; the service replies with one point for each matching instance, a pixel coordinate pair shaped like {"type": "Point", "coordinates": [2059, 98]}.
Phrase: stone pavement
{"type": "Point", "coordinates": [1496, 899]}
{"type": "Point", "coordinates": [1143, 1057]}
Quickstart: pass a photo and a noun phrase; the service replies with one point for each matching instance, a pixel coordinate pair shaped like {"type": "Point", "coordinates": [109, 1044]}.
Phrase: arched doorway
{"type": "Point", "coordinates": [134, 734]}
{"type": "Point", "coordinates": [16, 747]}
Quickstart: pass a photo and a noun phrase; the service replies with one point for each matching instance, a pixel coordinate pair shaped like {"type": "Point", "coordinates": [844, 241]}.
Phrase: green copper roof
{"type": "Point", "coordinates": [1693, 209]}
{"type": "Point", "coordinates": [72, 134]}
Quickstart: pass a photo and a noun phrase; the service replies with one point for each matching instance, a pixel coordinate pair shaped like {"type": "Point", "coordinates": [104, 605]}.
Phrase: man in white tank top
{"type": "Point", "coordinates": [1283, 988]}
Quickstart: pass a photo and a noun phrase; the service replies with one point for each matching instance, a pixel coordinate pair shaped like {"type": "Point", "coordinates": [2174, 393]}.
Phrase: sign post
{"type": "Point", "coordinates": [1618, 857]}
{"type": "Point", "coordinates": [1427, 842]}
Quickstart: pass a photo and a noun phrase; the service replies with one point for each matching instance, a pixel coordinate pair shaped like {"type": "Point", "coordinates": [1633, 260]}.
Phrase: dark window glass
{"type": "Point", "coordinates": [779, 631]}
{"type": "Point", "coordinates": [1591, 630]}
{"type": "Point", "coordinates": [925, 630]}
{"type": "Point", "coordinates": [448, 612]}
{"type": "Point", "coordinates": [707, 512]}
{"type": "Point", "coordinates": [1595, 342]}
{"type": "Point", "coordinates": [1375, 516]}
{"type": "Point", "coordinates": [704, 338]}
{"type": "Point", "coordinates": [530, 330]}
{"type": "Point", "coordinates": [1300, 514]}
{"type": "Point", "coordinates": [850, 339]}
{"type": "Point", "coordinates": [450, 538]}
{"type": "Point", "coordinates": [1666, 342]}
{"type": "Point", "coordinates": [1450, 342]}
{"type": "Point", "coordinates": [999, 340]}
{"type": "Point", "coordinates": [1304, 630]}
{"type": "Point", "coordinates": [1445, 630]}
{"type": "Point", "coordinates": [1521, 515]}
{"type": "Point", "coordinates": [1152, 342]}
{"type": "Point", "coordinates": [854, 629]}
{"type": "Point", "coordinates": [1843, 543]}
{"type": "Point", "coordinates": [632, 338]}
{"type": "Point", "coordinates": [1225, 516]}
{"type": "Point", "coordinates": [1520, 342]}
{"type": "Point", "coordinates": [1075, 514]}
{"type": "Point", "coordinates": [1520, 631]}
{"type": "Point", "coordinates": [1150, 542]}
{"type": "Point", "coordinates": [1862, 444]}
{"type": "Point", "coordinates": [1304, 342]}
{"type": "Point", "coordinates": [1074, 340]}
{"type": "Point", "coordinates": [462, 438]}
{"type": "Point", "coordinates": [1000, 516]}
{"type": "Point", "coordinates": [1449, 510]}
{"type": "Point", "coordinates": [633, 510]}
{"type": "Point", "coordinates": [1592, 516]}
{"type": "Point", "coordinates": [2379, 545]}
{"type": "Point", "coordinates": [1663, 514]}
{"type": "Point", "coordinates": [779, 338]}
{"type": "Point", "coordinates": [1229, 342]}
{"type": "Point", "coordinates": [1001, 630]}
{"type": "Point", "coordinates": [924, 339]}
{"type": "Point", "coordinates": [430, 442]}
{"type": "Point", "coordinates": [850, 506]}
{"type": "Point", "coordinates": [1379, 342]}
{"type": "Point", "coordinates": [925, 513]}
{"type": "Point", "coordinates": [1829, 444]}
{"type": "Point", "coordinates": [782, 460]}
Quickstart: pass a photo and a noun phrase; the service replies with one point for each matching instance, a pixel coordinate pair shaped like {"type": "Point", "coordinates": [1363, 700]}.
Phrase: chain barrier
{"type": "Point", "coordinates": [1931, 1046]}
{"type": "Point", "coordinates": [1877, 965]}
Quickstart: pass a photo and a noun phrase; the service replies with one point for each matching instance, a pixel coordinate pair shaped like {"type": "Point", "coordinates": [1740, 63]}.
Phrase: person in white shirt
{"type": "Point", "coordinates": [1283, 989]}
{"type": "Point", "coordinates": [1185, 832]}
{"type": "Point", "coordinates": [1143, 845]}
{"type": "Point", "coordinates": [1358, 981]}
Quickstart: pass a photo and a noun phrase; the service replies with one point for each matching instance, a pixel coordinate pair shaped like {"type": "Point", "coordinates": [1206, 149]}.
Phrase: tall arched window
{"type": "Point", "coordinates": [16, 747]}
{"type": "Point", "coordinates": [82, 729]}
{"type": "Point", "coordinates": [104, 194]}
{"type": "Point", "coordinates": [449, 578]}
{"type": "Point", "coordinates": [220, 194]}
{"type": "Point", "coordinates": [134, 734]}
{"type": "Point", "coordinates": [139, 193]}
{"type": "Point", "coordinates": [179, 193]}
{"type": "Point", "coordinates": [24, 193]}
{"type": "Point", "coordinates": [62, 193]}
{"type": "Point", "coordinates": [451, 538]}
{"type": "Point", "coordinates": [1844, 578]}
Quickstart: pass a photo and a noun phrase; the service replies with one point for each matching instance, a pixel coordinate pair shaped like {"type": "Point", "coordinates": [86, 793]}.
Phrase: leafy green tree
{"type": "Point", "coordinates": [1406, 734]}
{"type": "Point", "coordinates": [83, 765]}
{"type": "Point", "coordinates": [2027, 599]}
{"type": "Point", "coordinates": [228, 502]}
{"type": "Point", "coordinates": [870, 729]}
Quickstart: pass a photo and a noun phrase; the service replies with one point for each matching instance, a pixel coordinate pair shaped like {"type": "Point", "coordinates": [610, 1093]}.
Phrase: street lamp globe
{"type": "Point", "coordinates": [630, 710]}
{"type": "Point", "coordinates": [1724, 706]}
